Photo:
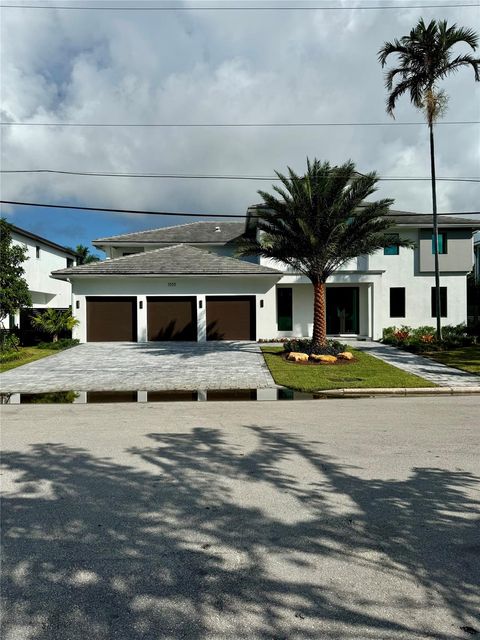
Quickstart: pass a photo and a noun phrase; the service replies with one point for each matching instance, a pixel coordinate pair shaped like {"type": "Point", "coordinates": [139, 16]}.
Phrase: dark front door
{"type": "Point", "coordinates": [231, 318]}
{"type": "Point", "coordinates": [111, 319]}
{"type": "Point", "coordinates": [172, 318]}
{"type": "Point", "coordinates": [342, 310]}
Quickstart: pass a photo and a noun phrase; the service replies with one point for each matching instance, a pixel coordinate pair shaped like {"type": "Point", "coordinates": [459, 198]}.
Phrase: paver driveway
{"type": "Point", "coordinates": [107, 366]}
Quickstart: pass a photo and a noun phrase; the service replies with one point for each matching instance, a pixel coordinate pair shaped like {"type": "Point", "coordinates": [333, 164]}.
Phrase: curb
{"type": "Point", "coordinates": [418, 391]}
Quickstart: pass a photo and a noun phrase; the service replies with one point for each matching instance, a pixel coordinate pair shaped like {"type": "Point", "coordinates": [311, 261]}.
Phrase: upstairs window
{"type": "Point", "coordinates": [37, 251]}
{"type": "Point", "coordinates": [69, 262]}
{"type": "Point", "coordinates": [442, 242]}
{"type": "Point", "coordinates": [392, 249]}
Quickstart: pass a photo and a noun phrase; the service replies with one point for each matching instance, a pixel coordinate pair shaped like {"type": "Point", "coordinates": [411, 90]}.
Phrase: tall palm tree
{"type": "Point", "coordinates": [425, 57]}
{"type": "Point", "coordinates": [319, 222]}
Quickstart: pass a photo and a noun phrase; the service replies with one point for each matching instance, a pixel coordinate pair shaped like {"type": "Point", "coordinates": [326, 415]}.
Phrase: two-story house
{"type": "Point", "coordinates": [42, 257]}
{"type": "Point", "coordinates": [185, 283]}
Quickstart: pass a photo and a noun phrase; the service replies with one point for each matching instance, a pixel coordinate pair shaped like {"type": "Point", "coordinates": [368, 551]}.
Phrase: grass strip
{"type": "Point", "coordinates": [465, 358]}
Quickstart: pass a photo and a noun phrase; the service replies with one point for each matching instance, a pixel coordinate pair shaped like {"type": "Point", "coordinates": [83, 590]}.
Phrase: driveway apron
{"type": "Point", "coordinates": [151, 366]}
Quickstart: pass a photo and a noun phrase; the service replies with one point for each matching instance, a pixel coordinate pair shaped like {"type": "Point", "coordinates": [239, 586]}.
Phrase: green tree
{"type": "Point", "coordinates": [53, 321]}
{"type": "Point", "coordinates": [319, 222]}
{"type": "Point", "coordinates": [425, 57]}
{"type": "Point", "coordinates": [14, 292]}
{"type": "Point", "coordinates": [84, 256]}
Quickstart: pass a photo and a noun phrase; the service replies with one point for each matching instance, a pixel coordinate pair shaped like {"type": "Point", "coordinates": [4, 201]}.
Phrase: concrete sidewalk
{"type": "Point", "coordinates": [418, 365]}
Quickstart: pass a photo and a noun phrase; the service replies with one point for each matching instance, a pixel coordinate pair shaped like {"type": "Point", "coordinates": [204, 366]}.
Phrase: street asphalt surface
{"type": "Point", "coordinates": [328, 519]}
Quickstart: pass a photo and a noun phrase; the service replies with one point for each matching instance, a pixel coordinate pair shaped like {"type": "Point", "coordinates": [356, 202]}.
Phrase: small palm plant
{"type": "Point", "coordinates": [425, 57]}
{"type": "Point", "coordinates": [320, 221]}
{"type": "Point", "coordinates": [54, 321]}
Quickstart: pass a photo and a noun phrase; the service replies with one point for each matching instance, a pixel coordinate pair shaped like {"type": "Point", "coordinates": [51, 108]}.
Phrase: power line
{"type": "Point", "coordinates": [240, 8]}
{"type": "Point", "coordinates": [180, 214]}
{"type": "Point", "coordinates": [232, 124]}
{"type": "Point", "coordinates": [193, 176]}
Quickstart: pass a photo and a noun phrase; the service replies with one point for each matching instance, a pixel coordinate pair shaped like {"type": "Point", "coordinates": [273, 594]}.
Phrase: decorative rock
{"type": "Point", "coordinates": [327, 359]}
{"type": "Point", "coordinates": [297, 357]}
{"type": "Point", "coordinates": [345, 355]}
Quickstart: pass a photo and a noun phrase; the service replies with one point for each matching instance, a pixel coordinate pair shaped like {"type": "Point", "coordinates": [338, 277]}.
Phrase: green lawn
{"type": "Point", "coordinates": [466, 359]}
{"type": "Point", "coordinates": [27, 354]}
{"type": "Point", "coordinates": [367, 372]}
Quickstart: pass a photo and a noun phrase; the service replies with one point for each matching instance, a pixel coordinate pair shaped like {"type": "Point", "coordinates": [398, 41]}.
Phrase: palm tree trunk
{"type": "Point", "coordinates": [319, 314]}
{"type": "Point", "coordinates": [435, 234]}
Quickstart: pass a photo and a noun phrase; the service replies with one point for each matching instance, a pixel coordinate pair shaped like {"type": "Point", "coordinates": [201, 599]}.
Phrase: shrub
{"type": "Point", "coordinates": [424, 338]}
{"type": "Point", "coordinates": [64, 343]}
{"type": "Point", "coordinates": [304, 345]}
{"type": "Point", "coordinates": [9, 342]}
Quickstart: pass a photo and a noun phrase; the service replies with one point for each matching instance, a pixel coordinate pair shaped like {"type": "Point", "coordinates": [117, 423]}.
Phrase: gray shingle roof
{"type": "Point", "coordinates": [179, 259]}
{"type": "Point", "coordinates": [193, 232]}
{"type": "Point", "coordinates": [422, 220]}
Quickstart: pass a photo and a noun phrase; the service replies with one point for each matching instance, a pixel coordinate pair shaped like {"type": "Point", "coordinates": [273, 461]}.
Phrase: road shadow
{"type": "Point", "coordinates": [99, 550]}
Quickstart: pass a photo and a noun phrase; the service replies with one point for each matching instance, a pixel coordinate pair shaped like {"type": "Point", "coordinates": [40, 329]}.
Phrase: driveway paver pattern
{"type": "Point", "coordinates": [154, 366]}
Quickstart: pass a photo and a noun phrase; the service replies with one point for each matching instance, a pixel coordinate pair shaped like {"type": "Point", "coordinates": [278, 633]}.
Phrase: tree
{"type": "Point", "coordinates": [53, 321]}
{"type": "Point", "coordinates": [14, 292]}
{"type": "Point", "coordinates": [321, 221]}
{"type": "Point", "coordinates": [84, 256]}
{"type": "Point", "coordinates": [426, 57]}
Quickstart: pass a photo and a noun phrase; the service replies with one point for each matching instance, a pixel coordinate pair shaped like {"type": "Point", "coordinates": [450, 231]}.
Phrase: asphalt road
{"type": "Point", "coordinates": [334, 519]}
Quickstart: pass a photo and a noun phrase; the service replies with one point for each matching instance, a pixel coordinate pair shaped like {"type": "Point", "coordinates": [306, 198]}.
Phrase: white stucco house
{"type": "Point", "coordinates": [43, 257]}
{"type": "Point", "coordinates": [184, 283]}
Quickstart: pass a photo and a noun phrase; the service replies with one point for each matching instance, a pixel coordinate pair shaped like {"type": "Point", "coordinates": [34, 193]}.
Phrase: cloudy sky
{"type": "Point", "coordinates": [197, 66]}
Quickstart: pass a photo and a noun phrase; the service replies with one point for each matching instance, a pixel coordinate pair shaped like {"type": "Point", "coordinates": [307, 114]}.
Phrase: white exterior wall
{"type": "Point", "coordinates": [46, 291]}
{"type": "Point", "coordinates": [262, 287]}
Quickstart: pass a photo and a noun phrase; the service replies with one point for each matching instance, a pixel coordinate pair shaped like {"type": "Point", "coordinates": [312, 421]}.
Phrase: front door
{"type": "Point", "coordinates": [342, 310]}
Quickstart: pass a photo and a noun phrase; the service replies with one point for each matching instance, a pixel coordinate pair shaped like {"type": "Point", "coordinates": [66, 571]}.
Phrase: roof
{"type": "Point", "coordinates": [409, 219]}
{"type": "Point", "coordinates": [179, 260]}
{"type": "Point", "coordinates": [193, 232]}
{"type": "Point", "coordinates": [406, 219]}
{"type": "Point", "coordinates": [48, 243]}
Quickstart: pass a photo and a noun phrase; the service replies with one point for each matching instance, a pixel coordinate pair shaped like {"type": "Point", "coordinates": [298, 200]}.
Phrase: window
{"type": "Point", "coordinates": [37, 251]}
{"type": "Point", "coordinates": [442, 242]}
{"type": "Point", "coordinates": [392, 249]}
{"type": "Point", "coordinates": [443, 302]}
{"type": "Point", "coordinates": [397, 302]}
{"type": "Point", "coordinates": [69, 262]}
{"type": "Point", "coordinates": [284, 309]}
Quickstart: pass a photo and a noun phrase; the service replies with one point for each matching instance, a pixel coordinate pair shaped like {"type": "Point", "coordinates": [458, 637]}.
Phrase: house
{"type": "Point", "coordinates": [185, 283]}
{"type": "Point", "coordinates": [43, 257]}
{"type": "Point", "coordinates": [476, 256]}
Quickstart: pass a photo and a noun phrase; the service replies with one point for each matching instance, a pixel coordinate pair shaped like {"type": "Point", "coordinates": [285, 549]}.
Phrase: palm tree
{"type": "Point", "coordinates": [84, 256]}
{"type": "Point", "coordinates": [54, 321]}
{"type": "Point", "coordinates": [320, 221]}
{"type": "Point", "coordinates": [426, 57]}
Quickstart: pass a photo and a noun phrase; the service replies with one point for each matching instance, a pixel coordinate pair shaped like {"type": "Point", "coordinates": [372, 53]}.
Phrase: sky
{"type": "Point", "coordinates": [216, 66]}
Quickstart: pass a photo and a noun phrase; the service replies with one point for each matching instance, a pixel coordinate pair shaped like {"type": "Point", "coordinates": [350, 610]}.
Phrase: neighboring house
{"type": "Point", "coordinates": [184, 283]}
{"type": "Point", "coordinates": [476, 254]}
{"type": "Point", "coordinates": [43, 257]}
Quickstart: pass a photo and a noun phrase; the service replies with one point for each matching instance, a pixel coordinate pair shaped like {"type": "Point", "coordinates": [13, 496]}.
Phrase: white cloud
{"type": "Point", "coordinates": [217, 67]}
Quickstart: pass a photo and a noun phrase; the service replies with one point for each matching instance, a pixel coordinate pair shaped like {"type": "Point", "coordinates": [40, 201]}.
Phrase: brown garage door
{"type": "Point", "coordinates": [231, 318]}
{"type": "Point", "coordinates": [111, 319]}
{"type": "Point", "coordinates": [172, 318]}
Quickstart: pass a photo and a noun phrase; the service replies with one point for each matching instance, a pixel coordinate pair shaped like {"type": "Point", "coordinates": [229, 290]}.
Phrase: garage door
{"type": "Point", "coordinates": [172, 318]}
{"type": "Point", "coordinates": [111, 319]}
{"type": "Point", "coordinates": [231, 318]}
